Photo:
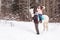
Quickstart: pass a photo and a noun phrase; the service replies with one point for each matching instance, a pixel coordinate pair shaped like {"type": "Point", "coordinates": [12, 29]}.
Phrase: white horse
{"type": "Point", "coordinates": [45, 20]}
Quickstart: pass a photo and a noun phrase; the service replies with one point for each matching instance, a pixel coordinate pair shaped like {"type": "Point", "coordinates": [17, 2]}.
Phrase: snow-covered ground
{"type": "Point", "coordinates": [15, 30]}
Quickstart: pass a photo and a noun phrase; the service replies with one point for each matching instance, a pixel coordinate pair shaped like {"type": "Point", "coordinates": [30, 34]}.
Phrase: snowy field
{"type": "Point", "coordinates": [14, 30]}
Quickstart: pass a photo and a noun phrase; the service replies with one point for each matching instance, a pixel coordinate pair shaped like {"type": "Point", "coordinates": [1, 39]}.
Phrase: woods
{"type": "Point", "coordinates": [19, 9]}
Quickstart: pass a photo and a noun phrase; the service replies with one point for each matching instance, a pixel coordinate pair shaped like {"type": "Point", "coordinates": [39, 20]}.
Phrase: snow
{"type": "Point", "coordinates": [19, 30]}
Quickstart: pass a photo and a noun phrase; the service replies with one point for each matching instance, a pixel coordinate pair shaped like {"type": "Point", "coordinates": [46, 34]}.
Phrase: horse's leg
{"type": "Point", "coordinates": [36, 27]}
{"type": "Point", "coordinates": [45, 24]}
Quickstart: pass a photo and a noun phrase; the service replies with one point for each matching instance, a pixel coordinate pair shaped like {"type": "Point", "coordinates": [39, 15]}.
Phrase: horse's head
{"type": "Point", "coordinates": [31, 11]}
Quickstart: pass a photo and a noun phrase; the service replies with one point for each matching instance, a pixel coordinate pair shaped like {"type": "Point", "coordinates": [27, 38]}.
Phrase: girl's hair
{"type": "Point", "coordinates": [35, 7]}
{"type": "Point", "coordinates": [41, 7]}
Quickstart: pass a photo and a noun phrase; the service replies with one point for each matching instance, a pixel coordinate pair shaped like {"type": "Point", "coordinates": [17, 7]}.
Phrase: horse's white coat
{"type": "Point", "coordinates": [31, 11]}
{"type": "Point", "coordinates": [45, 21]}
{"type": "Point", "coordinates": [46, 18]}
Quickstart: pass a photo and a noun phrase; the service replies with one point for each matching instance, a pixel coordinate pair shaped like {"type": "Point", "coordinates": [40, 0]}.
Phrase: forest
{"type": "Point", "coordinates": [19, 9]}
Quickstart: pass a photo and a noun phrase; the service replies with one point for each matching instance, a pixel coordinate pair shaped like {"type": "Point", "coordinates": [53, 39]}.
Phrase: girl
{"type": "Point", "coordinates": [38, 16]}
